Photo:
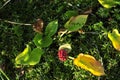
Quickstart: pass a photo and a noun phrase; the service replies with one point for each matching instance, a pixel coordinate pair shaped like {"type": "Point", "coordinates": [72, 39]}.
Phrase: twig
{"type": "Point", "coordinates": [4, 74]}
{"type": "Point", "coordinates": [82, 32]}
{"type": "Point", "coordinates": [11, 22]}
{"type": "Point", "coordinates": [5, 3]}
{"type": "Point", "coordinates": [63, 33]}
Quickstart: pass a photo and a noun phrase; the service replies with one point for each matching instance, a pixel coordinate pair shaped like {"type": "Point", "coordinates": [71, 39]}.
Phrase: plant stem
{"type": "Point", "coordinates": [71, 57]}
{"type": "Point", "coordinates": [5, 3]}
{"type": "Point", "coordinates": [63, 33]}
{"type": "Point", "coordinates": [98, 78]}
{"type": "Point", "coordinates": [4, 74]}
{"type": "Point", "coordinates": [11, 22]}
{"type": "Point", "coordinates": [88, 32]}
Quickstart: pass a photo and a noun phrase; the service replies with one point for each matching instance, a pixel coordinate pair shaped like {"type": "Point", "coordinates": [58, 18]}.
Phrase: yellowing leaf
{"type": "Point", "coordinates": [115, 38]}
{"type": "Point", "coordinates": [23, 56]}
{"type": "Point", "coordinates": [109, 3]}
{"type": "Point", "coordinates": [89, 63]}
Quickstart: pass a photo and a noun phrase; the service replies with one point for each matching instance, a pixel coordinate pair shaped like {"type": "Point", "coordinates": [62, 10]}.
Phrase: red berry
{"type": "Point", "coordinates": [62, 55]}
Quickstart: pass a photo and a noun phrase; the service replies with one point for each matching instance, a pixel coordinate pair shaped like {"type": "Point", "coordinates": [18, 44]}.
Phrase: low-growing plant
{"type": "Point", "coordinates": [44, 39]}
{"type": "Point", "coordinates": [36, 49]}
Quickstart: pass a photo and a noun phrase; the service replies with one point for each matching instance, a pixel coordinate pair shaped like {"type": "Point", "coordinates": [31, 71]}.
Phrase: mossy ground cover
{"type": "Point", "coordinates": [14, 37]}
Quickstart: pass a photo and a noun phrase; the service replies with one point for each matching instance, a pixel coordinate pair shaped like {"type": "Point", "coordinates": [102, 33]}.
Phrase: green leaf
{"type": "Point", "coordinates": [75, 23]}
{"type": "Point", "coordinates": [109, 3]}
{"type": "Point", "coordinates": [35, 56]}
{"type": "Point", "coordinates": [70, 13]}
{"type": "Point", "coordinates": [23, 56]}
{"type": "Point", "coordinates": [37, 39]}
{"type": "Point", "coordinates": [51, 28]}
{"type": "Point", "coordinates": [46, 41]}
{"type": "Point", "coordinates": [29, 58]}
{"type": "Point", "coordinates": [42, 41]}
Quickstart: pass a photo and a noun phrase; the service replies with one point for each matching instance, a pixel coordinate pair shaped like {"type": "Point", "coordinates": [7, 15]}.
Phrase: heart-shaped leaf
{"type": "Point", "coordinates": [75, 23]}
{"type": "Point", "coordinates": [51, 28]}
{"type": "Point", "coordinates": [35, 56]}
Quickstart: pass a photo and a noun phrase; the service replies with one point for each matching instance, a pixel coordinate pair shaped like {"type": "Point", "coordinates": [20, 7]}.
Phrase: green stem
{"type": "Point", "coordinates": [63, 33]}
{"type": "Point", "coordinates": [71, 57]}
{"type": "Point", "coordinates": [4, 74]}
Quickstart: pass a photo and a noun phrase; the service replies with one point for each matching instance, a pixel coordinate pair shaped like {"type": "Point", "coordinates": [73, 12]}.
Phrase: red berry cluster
{"type": "Point", "coordinates": [62, 55]}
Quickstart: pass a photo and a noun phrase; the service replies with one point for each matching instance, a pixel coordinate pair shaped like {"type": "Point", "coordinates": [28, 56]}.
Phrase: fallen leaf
{"type": "Point", "coordinates": [89, 63]}
{"type": "Point", "coordinates": [115, 38]}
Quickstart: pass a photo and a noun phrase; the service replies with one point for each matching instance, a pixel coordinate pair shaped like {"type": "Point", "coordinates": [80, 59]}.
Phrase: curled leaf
{"type": "Point", "coordinates": [23, 56]}
{"type": "Point", "coordinates": [66, 47]}
{"type": "Point", "coordinates": [89, 63]}
{"type": "Point", "coordinates": [115, 38]}
{"type": "Point", "coordinates": [28, 57]}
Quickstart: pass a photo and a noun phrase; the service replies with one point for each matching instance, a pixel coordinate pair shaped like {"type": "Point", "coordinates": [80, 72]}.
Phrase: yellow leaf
{"type": "Point", "coordinates": [89, 63]}
{"type": "Point", "coordinates": [109, 3]}
{"type": "Point", "coordinates": [115, 38]}
{"type": "Point", "coordinates": [23, 56]}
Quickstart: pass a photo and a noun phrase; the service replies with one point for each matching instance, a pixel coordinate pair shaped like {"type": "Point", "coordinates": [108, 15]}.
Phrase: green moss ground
{"type": "Point", "coordinates": [14, 37]}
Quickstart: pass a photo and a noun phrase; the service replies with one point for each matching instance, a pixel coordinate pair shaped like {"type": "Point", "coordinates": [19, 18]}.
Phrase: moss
{"type": "Point", "coordinates": [14, 37]}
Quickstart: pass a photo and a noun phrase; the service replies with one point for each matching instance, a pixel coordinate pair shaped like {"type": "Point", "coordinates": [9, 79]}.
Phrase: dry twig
{"type": "Point", "coordinates": [5, 4]}
{"type": "Point", "coordinates": [11, 22]}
